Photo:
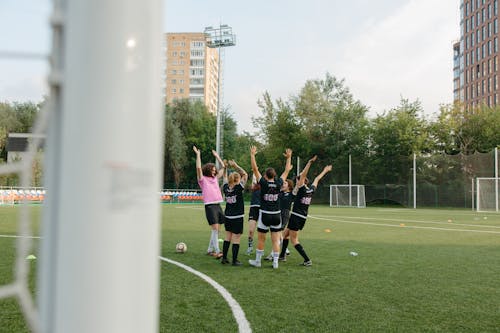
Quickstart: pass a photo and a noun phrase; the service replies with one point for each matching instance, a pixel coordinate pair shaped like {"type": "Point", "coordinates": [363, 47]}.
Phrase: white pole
{"type": "Point", "coordinates": [219, 109]}
{"type": "Point", "coordinates": [298, 165]}
{"type": "Point", "coordinates": [414, 181]}
{"type": "Point", "coordinates": [100, 246]}
{"type": "Point", "coordinates": [350, 181]}
{"type": "Point", "coordinates": [478, 198]}
{"type": "Point", "coordinates": [472, 191]}
{"type": "Point", "coordinates": [496, 179]}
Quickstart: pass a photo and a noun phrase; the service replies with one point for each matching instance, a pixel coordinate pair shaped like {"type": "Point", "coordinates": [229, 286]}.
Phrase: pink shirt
{"type": "Point", "coordinates": [210, 190]}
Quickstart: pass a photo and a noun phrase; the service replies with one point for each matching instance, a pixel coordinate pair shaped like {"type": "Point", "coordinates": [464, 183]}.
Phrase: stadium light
{"type": "Point", "coordinates": [219, 38]}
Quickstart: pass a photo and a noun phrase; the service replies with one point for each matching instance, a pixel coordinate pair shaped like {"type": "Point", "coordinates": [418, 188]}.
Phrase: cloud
{"type": "Point", "coordinates": [408, 54]}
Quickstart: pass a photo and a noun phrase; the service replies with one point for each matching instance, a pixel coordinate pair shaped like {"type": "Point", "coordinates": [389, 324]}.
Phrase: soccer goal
{"type": "Point", "coordinates": [347, 196]}
{"type": "Point", "coordinates": [487, 197]}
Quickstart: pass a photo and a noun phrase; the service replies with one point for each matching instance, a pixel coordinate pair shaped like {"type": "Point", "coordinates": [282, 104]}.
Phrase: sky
{"type": "Point", "coordinates": [385, 50]}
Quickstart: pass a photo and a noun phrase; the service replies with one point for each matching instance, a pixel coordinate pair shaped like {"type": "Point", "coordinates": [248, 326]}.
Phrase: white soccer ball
{"type": "Point", "coordinates": [181, 247]}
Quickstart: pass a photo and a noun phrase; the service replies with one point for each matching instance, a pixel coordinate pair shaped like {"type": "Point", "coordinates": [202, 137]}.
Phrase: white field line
{"type": "Point", "coordinates": [451, 211]}
{"type": "Point", "coordinates": [399, 226]}
{"type": "Point", "coordinates": [239, 315]}
{"type": "Point", "coordinates": [412, 221]}
{"type": "Point", "coordinates": [18, 236]}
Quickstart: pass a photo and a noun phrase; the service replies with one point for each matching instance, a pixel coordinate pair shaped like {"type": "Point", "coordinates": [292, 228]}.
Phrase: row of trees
{"type": "Point", "coordinates": [323, 119]}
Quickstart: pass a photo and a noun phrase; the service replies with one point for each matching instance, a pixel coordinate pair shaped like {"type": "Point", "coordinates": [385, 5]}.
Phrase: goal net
{"type": "Point", "coordinates": [347, 196]}
{"type": "Point", "coordinates": [487, 196]}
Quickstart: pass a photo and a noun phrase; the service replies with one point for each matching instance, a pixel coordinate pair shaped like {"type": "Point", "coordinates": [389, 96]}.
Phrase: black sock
{"type": "Point", "coordinates": [225, 249]}
{"type": "Point", "coordinates": [250, 242]}
{"type": "Point", "coordinates": [236, 248]}
{"type": "Point", "coordinates": [300, 249]}
{"type": "Point", "coordinates": [283, 248]}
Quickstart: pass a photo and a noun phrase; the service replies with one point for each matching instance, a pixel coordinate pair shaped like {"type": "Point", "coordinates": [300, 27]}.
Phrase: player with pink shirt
{"type": "Point", "coordinates": [208, 180]}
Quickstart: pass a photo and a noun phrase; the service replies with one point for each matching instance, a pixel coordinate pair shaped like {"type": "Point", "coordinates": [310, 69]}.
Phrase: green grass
{"type": "Point", "coordinates": [409, 276]}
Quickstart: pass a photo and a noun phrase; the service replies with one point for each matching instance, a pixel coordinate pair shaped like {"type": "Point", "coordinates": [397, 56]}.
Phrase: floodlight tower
{"type": "Point", "coordinates": [219, 38]}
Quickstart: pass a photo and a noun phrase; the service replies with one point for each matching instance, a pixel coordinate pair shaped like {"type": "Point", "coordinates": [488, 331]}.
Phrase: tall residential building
{"type": "Point", "coordinates": [476, 68]}
{"type": "Point", "coordinates": [192, 69]}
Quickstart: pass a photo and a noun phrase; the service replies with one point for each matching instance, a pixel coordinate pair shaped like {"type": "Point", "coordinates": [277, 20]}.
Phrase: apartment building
{"type": "Point", "coordinates": [191, 69]}
{"type": "Point", "coordinates": [475, 56]}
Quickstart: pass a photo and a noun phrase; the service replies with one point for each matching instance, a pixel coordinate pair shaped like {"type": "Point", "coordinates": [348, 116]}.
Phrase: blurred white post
{"type": "Point", "coordinates": [99, 269]}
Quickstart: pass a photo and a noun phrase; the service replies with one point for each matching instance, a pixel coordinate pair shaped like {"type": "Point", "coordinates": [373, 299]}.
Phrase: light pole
{"type": "Point", "coordinates": [219, 38]}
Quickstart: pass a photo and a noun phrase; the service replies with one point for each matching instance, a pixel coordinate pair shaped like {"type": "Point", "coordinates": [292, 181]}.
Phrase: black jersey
{"type": "Point", "coordinates": [255, 199]}
{"type": "Point", "coordinates": [303, 200]}
{"type": "Point", "coordinates": [286, 199]}
{"type": "Point", "coordinates": [234, 201]}
{"type": "Point", "coordinates": [269, 195]}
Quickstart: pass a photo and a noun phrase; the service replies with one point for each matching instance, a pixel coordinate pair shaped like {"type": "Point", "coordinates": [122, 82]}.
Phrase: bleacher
{"type": "Point", "coordinates": [11, 196]}
{"type": "Point", "coordinates": [181, 196]}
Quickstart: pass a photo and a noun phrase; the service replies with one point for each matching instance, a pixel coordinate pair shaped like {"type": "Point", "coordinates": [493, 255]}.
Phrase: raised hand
{"type": "Point", "coordinates": [196, 150]}
{"type": "Point", "coordinates": [287, 153]}
{"type": "Point", "coordinates": [253, 150]}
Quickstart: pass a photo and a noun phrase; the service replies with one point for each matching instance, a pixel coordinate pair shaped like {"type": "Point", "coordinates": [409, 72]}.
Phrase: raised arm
{"type": "Point", "coordinates": [303, 174]}
{"type": "Point", "coordinates": [241, 171]}
{"type": "Point", "coordinates": [255, 168]}
{"type": "Point", "coordinates": [220, 172]}
{"type": "Point", "coordinates": [199, 173]}
{"type": "Point", "coordinates": [326, 169]}
{"type": "Point", "coordinates": [288, 164]}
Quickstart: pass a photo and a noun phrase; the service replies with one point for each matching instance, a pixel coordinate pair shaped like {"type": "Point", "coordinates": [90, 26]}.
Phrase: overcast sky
{"type": "Point", "coordinates": [384, 49]}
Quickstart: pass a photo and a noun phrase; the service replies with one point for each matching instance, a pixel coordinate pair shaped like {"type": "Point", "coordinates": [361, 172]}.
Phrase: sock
{"type": "Point", "coordinates": [225, 249]}
{"type": "Point", "coordinates": [215, 240]}
{"type": "Point", "coordinates": [300, 249]}
{"type": "Point", "coordinates": [250, 242]}
{"type": "Point", "coordinates": [258, 255]}
{"type": "Point", "coordinates": [284, 247]}
{"type": "Point", "coordinates": [236, 249]}
{"type": "Point", "coordinates": [275, 256]}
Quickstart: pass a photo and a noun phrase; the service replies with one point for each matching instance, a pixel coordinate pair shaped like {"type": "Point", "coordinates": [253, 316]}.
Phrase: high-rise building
{"type": "Point", "coordinates": [475, 56]}
{"type": "Point", "coordinates": [192, 69]}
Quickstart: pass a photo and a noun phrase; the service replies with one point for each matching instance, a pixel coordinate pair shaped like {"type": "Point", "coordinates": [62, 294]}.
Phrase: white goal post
{"type": "Point", "coordinates": [487, 196]}
{"type": "Point", "coordinates": [347, 196]}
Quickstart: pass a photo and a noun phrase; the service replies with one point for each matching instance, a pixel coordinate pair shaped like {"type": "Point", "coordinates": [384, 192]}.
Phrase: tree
{"type": "Point", "coordinates": [395, 136]}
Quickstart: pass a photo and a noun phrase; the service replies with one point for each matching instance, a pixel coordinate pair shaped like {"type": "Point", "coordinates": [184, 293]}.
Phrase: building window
{"type": "Point", "coordinates": [174, 54]}
{"type": "Point", "coordinates": [174, 90]}
{"type": "Point", "coordinates": [174, 81]}
{"type": "Point", "coordinates": [181, 90]}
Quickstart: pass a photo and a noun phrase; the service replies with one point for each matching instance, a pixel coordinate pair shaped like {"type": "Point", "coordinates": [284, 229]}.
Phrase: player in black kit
{"type": "Point", "coordinates": [235, 211]}
{"type": "Point", "coordinates": [303, 197]}
{"type": "Point", "coordinates": [270, 213]}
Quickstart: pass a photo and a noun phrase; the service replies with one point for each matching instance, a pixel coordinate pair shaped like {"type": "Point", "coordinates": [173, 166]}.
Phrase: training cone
{"type": "Point", "coordinates": [30, 257]}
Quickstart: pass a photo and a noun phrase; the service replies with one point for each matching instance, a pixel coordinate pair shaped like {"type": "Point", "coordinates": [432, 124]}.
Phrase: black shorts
{"type": "Point", "coordinates": [253, 214]}
{"type": "Point", "coordinates": [285, 217]}
{"type": "Point", "coordinates": [214, 214]}
{"type": "Point", "coordinates": [234, 225]}
{"type": "Point", "coordinates": [268, 222]}
{"type": "Point", "coordinates": [296, 222]}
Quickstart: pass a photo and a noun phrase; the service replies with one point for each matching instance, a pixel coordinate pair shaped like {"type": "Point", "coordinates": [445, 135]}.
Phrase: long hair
{"type": "Point", "coordinates": [207, 169]}
{"type": "Point", "coordinates": [233, 179]}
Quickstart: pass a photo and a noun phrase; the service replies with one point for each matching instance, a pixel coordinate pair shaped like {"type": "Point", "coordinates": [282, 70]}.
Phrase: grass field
{"type": "Point", "coordinates": [417, 271]}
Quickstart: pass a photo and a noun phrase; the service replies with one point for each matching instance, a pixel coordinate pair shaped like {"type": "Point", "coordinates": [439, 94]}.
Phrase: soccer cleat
{"type": "Point", "coordinates": [307, 263]}
{"type": "Point", "coordinates": [224, 261]}
{"type": "Point", "coordinates": [254, 263]}
{"type": "Point", "coordinates": [269, 257]}
{"type": "Point", "coordinates": [249, 251]}
{"type": "Point", "coordinates": [236, 263]}
{"type": "Point", "coordinates": [217, 255]}
{"type": "Point", "coordinates": [210, 253]}
{"type": "Point", "coordinates": [287, 252]}
{"type": "Point", "coordinates": [275, 264]}
{"type": "Point", "coordinates": [282, 258]}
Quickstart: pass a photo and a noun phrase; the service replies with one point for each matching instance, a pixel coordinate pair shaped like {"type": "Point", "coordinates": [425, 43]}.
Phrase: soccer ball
{"type": "Point", "coordinates": [181, 247]}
